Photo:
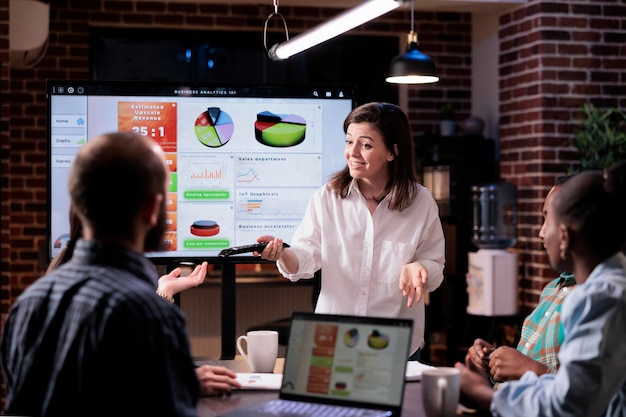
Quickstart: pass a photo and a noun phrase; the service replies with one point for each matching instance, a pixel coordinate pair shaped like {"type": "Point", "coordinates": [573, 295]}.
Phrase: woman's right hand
{"type": "Point", "coordinates": [276, 252]}
{"type": "Point", "coordinates": [274, 249]}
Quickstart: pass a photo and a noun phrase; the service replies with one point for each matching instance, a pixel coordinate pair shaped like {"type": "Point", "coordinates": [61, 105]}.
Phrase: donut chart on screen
{"type": "Point", "coordinates": [204, 228]}
{"type": "Point", "coordinates": [351, 338]}
{"type": "Point", "coordinates": [377, 340]}
{"type": "Point", "coordinates": [61, 241]}
{"type": "Point", "coordinates": [214, 127]}
{"type": "Point", "coordinates": [279, 130]}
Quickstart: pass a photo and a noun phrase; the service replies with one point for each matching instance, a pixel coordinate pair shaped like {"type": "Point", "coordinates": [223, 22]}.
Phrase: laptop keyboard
{"type": "Point", "coordinates": [297, 408]}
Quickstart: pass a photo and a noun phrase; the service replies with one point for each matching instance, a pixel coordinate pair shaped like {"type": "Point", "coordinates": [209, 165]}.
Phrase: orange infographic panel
{"type": "Point", "coordinates": [170, 160]}
{"type": "Point", "coordinates": [169, 241]}
{"type": "Point", "coordinates": [171, 221]}
{"type": "Point", "coordinates": [156, 120]}
{"type": "Point", "coordinates": [171, 203]}
{"type": "Point", "coordinates": [326, 335]}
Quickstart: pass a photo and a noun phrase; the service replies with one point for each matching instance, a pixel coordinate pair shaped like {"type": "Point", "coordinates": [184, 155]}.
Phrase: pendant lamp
{"type": "Point", "coordinates": [412, 67]}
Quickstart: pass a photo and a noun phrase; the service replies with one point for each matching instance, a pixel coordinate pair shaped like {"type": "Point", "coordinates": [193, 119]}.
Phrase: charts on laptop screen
{"type": "Point", "coordinates": [342, 358]}
{"type": "Point", "coordinates": [243, 160]}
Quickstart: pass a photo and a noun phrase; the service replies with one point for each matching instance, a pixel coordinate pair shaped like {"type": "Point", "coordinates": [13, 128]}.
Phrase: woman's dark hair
{"type": "Point", "coordinates": [394, 127]}
{"type": "Point", "coordinates": [594, 203]}
{"type": "Point", "coordinates": [563, 180]}
{"type": "Point", "coordinates": [76, 231]}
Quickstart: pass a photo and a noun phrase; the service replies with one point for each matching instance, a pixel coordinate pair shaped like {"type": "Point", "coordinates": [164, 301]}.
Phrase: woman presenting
{"type": "Point", "coordinates": [373, 230]}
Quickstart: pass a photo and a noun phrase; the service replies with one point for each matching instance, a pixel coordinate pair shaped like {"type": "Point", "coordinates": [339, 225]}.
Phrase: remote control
{"type": "Point", "coordinates": [255, 247]}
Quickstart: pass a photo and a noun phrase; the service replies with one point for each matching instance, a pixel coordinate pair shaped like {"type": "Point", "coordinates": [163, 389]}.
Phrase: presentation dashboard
{"type": "Point", "coordinates": [243, 160]}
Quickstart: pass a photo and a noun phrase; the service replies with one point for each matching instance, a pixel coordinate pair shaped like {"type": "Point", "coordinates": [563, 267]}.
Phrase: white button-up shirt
{"type": "Point", "coordinates": [361, 255]}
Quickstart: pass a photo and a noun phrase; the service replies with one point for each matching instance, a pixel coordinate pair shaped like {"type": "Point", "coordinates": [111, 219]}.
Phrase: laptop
{"type": "Point", "coordinates": [340, 365]}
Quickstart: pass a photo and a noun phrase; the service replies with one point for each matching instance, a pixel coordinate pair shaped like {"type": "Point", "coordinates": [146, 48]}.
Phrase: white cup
{"type": "Point", "coordinates": [261, 349]}
{"type": "Point", "coordinates": [441, 388]}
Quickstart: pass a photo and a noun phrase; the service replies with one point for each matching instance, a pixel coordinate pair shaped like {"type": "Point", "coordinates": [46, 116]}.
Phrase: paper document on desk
{"type": "Point", "coordinates": [260, 381]}
{"type": "Point", "coordinates": [414, 370]}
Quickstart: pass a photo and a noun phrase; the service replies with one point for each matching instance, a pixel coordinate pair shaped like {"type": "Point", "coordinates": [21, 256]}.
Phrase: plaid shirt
{"type": "Point", "coordinates": [542, 332]}
{"type": "Point", "coordinates": [93, 339]}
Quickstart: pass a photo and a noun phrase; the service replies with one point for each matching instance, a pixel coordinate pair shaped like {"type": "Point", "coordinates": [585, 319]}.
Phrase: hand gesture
{"type": "Point", "coordinates": [173, 283]}
{"type": "Point", "coordinates": [412, 281]}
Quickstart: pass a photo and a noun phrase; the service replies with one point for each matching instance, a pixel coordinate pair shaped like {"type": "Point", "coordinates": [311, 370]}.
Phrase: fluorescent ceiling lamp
{"type": "Point", "coordinates": [341, 23]}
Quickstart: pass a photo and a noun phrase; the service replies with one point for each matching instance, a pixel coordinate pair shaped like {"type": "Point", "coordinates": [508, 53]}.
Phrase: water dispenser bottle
{"type": "Point", "coordinates": [494, 215]}
{"type": "Point", "coordinates": [492, 270]}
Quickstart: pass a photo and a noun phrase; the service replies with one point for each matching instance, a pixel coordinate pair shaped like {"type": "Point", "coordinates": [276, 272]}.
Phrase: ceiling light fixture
{"type": "Point", "coordinates": [412, 67]}
{"type": "Point", "coordinates": [341, 23]}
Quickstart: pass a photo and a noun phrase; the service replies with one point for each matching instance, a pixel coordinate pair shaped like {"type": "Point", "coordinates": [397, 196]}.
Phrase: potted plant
{"type": "Point", "coordinates": [601, 137]}
{"type": "Point", "coordinates": [447, 124]}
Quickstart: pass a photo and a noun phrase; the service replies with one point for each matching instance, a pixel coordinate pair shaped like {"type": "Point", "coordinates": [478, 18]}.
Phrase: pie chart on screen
{"type": "Point", "coordinates": [214, 127]}
{"type": "Point", "coordinates": [279, 130]}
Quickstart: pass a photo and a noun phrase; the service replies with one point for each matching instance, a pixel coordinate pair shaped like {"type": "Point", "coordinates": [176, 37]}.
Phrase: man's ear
{"type": "Point", "coordinates": [564, 240]}
{"type": "Point", "coordinates": [151, 211]}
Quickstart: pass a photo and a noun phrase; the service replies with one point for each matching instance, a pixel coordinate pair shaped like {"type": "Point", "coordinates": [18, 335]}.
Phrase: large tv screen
{"type": "Point", "coordinates": [244, 159]}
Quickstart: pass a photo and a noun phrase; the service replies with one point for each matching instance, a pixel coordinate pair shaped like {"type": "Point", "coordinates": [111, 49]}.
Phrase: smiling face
{"type": "Point", "coordinates": [366, 153]}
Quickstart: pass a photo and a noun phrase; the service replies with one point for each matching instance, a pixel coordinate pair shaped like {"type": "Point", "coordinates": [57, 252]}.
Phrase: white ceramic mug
{"type": "Point", "coordinates": [441, 388]}
{"type": "Point", "coordinates": [261, 349]}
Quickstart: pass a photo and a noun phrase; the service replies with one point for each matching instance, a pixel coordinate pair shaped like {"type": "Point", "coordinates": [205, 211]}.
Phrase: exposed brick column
{"type": "Point", "coordinates": [555, 56]}
{"type": "Point", "coordinates": [5, 148]}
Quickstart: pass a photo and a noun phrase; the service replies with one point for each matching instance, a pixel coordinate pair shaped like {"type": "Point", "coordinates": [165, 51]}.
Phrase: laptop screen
{"type": "Point", "coordinates": [346, 359]}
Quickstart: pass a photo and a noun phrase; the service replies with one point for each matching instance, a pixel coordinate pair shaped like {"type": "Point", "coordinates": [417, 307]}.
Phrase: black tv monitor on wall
{"type": "Point", "coordinates": [244, 159]}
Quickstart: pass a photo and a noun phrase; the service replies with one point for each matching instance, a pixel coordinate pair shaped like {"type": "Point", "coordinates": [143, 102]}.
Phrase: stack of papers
{"type": "Point", "coordinates": [414, 370]}
{"type": "Point", "coordinates": [260, 381]}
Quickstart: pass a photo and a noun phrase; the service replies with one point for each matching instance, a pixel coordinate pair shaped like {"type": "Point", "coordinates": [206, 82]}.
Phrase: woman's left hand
{"type": "Point", "coordinates": [412, 281]}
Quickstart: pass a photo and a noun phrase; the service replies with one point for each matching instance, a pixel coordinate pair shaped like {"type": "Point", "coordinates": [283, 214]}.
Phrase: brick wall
{"type": "Point", "coordinates": [444, 36]}
{"type": "Point", "coordinates": [67, 58]}
{"type": "Point", "coordinates": [555, 56]}
{"type": "Point", "coordinates": [5, 284]}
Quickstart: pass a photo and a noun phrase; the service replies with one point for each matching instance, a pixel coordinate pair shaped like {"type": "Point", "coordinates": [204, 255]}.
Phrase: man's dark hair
{"type": "Point", "coordinates": [112, 178]}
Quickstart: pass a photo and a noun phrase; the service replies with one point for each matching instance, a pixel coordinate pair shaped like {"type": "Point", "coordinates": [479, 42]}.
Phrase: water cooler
{"type": "Point", "coordinates": [492, 278]}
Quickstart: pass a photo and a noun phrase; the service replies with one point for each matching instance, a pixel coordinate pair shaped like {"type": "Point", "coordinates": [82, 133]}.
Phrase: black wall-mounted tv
{"type": "Point", "coordinates": [230, 56]}
{"type": "Point", "coordinates": [244, 159]}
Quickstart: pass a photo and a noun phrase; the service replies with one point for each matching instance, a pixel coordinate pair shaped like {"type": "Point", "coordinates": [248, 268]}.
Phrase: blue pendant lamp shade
{"type": "Point", "coordinates": [412, 67]}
